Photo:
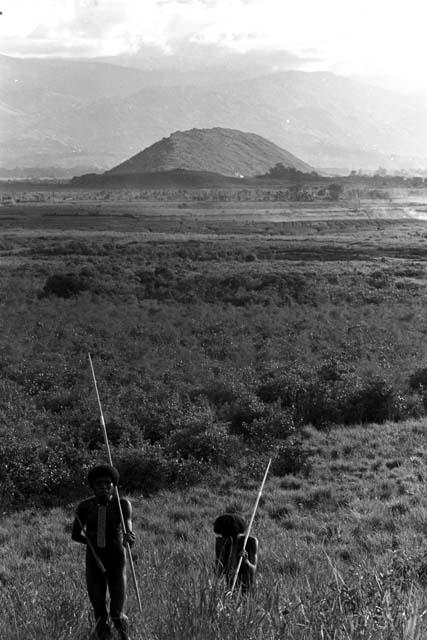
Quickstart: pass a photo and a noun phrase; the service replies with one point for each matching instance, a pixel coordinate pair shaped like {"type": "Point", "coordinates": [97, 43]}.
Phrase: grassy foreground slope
{"type": "Point", "coordinates": [342, 552]}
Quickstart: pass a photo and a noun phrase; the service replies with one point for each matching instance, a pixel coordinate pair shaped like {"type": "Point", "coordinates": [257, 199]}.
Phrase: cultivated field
{"type": "Point", "coordinates": [222, 333]}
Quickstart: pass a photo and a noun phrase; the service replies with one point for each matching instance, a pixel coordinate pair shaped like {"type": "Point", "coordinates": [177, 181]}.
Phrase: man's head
{"type": "Point", "coordinates": [229, 525]}
{"type": "Point", "coordinates": [102, 479]}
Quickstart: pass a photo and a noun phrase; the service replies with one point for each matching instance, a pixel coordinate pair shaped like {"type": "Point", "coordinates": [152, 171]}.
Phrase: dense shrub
{"type": "Point", "coordinates": [243, 411]}
{"type": "Point", "coordinates": [64, 285]}
{"type": "Point", "coordinates": [162, 412]}
{"type": "Point", "coordinates": [148, 470]}
{"type": "Point", "coordinates": [18, 410]}
{"type": "Point", "coordinates": [378, 194]}
{"type": "Point", "coordinates": [184, 473]}
{"type": "Point", "coordinates": [288, 385]}
{"type": "Point", "coordinates": [40, 473]}
{"type": "Point", "coordinates": [274, 422]}
{"type": "Point", "coordinates": [144, 469]}
{"type": "Point", "coordinates": [373, 400]}
{"type": "Point", "coordinates": [81, 426]}
{"type": "Point", "coordinates": [335, 190]}
{"type": "Point", "coordinates": [418, 384]}
{"type": "Point", "coordinates": [253, 464]}
{"type": "Point", "coordinates": [290, 457]}
{"type": "Point", "coordinates": [379, 279]}
{"type": "Point", "coordinates": [418, 379]}
{"type": "Point", "coordinates": [225, 390]}
{"type": "Point", "coordinates": [239, 289]}
{"type": "Point", "coordinates": [214, 445]}
{"type": "Point", "coordinates": [334, 395]}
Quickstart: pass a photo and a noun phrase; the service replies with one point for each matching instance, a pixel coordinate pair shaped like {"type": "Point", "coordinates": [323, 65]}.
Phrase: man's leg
{"type": "Point", "coordinates": [117, 589]}
{"type": "Point", "coordinates": [97, 590]}
{"type": "Point", "coordinates": [122, 627]}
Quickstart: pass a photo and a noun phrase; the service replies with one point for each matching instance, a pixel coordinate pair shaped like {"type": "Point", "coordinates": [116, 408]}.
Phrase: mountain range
{"type": "Point", "coordinates": [68, 113]}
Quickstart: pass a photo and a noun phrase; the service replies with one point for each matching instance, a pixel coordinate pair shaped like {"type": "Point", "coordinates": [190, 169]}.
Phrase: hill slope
{"type": "Point", "coordinates": [225, 151]}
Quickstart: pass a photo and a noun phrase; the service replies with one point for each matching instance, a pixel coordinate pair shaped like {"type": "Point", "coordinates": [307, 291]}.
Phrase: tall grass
{"type": "Point", "coordinates": [339, 556]}
{"type": "Point", "coordinates": [182, 600]}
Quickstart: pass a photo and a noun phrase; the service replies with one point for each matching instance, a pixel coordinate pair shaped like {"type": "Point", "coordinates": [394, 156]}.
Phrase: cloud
{"type": "Point", "coordinates": [42, 48]}
{"type": "Point", "coordinates": [363, 37]}
{"type": "Point", "coordinates": [69, 27]}
{"type": "Point", "coordinates": [184, 34]}
{"type": "Point", "coordinates": [192, 55]}
{"type": "Point", "coordinates": [211, 63]}
{"type": "Point", "coordinates": [113, 26]}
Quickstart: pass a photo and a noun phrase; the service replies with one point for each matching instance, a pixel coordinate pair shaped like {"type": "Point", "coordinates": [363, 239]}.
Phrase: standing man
{"type": "Point", "coordinates": [98, 525]}
{"type": "Point", "coordinates": [230, 529]}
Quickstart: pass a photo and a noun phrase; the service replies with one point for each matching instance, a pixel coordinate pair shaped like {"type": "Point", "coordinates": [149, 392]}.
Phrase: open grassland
{"type": "Point", "coordinates": [221, 335]}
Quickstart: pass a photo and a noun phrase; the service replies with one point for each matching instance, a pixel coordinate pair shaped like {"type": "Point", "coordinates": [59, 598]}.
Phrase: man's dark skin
{"type": "Point", "coordinates": [111, 552]}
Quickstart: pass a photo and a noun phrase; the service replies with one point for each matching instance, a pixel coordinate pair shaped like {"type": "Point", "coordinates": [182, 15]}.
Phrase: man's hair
{"type": "Point", "coordinates": [103, 470]}
{"type": "Point", "coordinates": [229, 525]}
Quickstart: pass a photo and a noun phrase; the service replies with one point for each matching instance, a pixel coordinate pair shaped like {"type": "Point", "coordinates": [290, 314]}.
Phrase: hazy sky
{"type": "Point", "coordinates": [368, 38]}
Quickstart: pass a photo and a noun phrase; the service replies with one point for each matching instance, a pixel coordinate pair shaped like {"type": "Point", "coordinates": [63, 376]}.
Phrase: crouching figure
{"type": "Point", "coordinates": [230, 529]}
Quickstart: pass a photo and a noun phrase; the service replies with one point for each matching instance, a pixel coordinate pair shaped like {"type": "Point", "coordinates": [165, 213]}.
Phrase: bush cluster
{"type": "Point", "coordinates": [334, 395]}
{"type": "Point", "coordinates": [239, 289]}
{"type": "Point", "coordinates": [31, 472]}
{"type": "Point", "coordinates": [169, 438]}
{"type": "Point", "coordinates": [64, 285]}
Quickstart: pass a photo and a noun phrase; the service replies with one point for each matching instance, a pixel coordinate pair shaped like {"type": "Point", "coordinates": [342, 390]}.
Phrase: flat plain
{"type": "Point", "coordinates": [222, 332]}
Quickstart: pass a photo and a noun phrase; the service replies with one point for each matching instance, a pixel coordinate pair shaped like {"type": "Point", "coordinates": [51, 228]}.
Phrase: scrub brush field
{"type": "Point", "coordinates": [222, 334]}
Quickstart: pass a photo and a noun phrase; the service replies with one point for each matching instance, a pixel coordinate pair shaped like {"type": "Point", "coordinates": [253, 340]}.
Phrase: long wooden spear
{"type": "Point", "coordinates": [248, 530]}
{"type": "Point", "coordinates": [104, 430]}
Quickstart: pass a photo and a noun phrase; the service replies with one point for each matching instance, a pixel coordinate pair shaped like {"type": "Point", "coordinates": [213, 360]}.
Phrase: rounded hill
{"type": "Point", "coordinates": [226, 151]}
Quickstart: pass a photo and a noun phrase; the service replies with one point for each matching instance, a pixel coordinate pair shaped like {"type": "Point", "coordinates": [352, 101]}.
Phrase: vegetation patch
{"type": "Point", "coordinates": [209, 362]}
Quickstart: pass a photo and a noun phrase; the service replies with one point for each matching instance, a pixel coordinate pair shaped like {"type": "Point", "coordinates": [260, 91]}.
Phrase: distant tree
{"type": "Point", "coordinates": [381, 171]}
{"type": "Point", "coordinates": [280, 171]}
{"type": "Point", "coordinates": [335, 190]}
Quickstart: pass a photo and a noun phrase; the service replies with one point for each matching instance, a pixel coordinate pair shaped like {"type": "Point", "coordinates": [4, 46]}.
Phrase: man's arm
{"type": "Point", "coordinates": [129, 536]}
{"type": "Point", "coordinates": [250, 555]}
{"type": "Point", "coordinates": [77, 530]}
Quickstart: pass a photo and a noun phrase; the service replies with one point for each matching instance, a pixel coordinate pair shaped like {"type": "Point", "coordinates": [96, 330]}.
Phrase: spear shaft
{"type": "Point", "coordinates": [248, 530]}
{"type": "Point", "coordinates": [116, 491]}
